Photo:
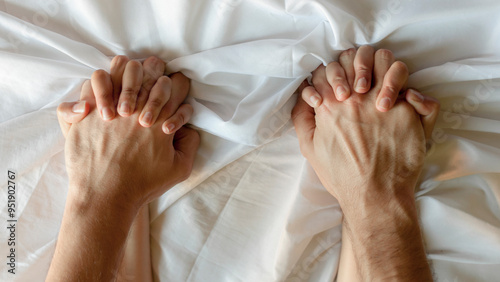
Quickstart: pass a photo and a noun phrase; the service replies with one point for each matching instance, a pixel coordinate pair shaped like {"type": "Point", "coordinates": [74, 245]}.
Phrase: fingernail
{"type": "Point", "coordinates": [341, 92]}
{"type": "Point", "coordinates": [125, 108]}
{"type": "Point", "coordinates": [146, 119]}
{"type": "Point", "coordinates": [385, 103]}
{"type": "Point", "coordinates": [361, 85]}
{"type": "Point", "coordinates": [107, 114]}
{"type": "Point", "coordinates": [417, 97]}
{"type": "Point", "coordinates": [79, 107]}
{"type": "Point", "coordinates": [315, 100]}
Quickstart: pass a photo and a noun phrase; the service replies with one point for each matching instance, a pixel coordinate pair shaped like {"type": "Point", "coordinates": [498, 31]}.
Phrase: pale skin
{"type": "Point", "coordinates": [380, 147]}
{"type": "Point", "coordinates": [369, 158]}
{"type": "Point", "coordinates": [109, 163]}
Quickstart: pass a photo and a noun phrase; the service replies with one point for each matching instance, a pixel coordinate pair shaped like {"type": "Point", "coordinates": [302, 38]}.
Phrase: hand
{"type": "Point", "coordinates": [369, 160]}
{"type": "Point", "coordinates": [138, 79]}
{"type": "Point", "coordinates": [123, 161]}
{"type": "Point", "coordinates": [355, 149]}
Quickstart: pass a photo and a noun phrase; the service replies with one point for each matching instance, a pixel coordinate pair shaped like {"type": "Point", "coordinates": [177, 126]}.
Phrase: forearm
{"type": "Point", "coordinates": [348, 270]}
{"type": "Point", "coordinates": [136, 263]}
{"type": "Point", "coordinates": [91, 240]}
{"type": "Point", "coordinates": [385, 241]}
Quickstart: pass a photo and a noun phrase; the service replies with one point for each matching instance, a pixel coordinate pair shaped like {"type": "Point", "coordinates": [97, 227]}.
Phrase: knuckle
{"type": "Point", "coordinates": [134, 65]}
{"type": "Point", "coordinates": [332, 66]}
{"type": "Point", "coordinates": [154, 65]}
{"type": "Point", "coordinates": [363, 69]}
{"type": "Point", "coordinates": [155, 102]}
{"type": "Point", "coordinates": [348, 53]}
{"type": "Point", "coordinates": [366, 48]}
{"type": "Point", "coordinates": [164, 81]}
{"type": "Point", "coordinates": [337, 80]}
{"type": "Point", "coordinates": [181, 79]}
{"type": "Point", "coordinates": [391, 89]}
{"type": "Point", "coordinates": [153, 60]}
{"type": "Point", "coordinates": [435, 105]}
{"type": "Point", "coordinates": [119, 61]}
{"type": "Point", "coordinates": [130, 91]}
{"type": "Point", "coordinates": [99, 74]}
{"type": "Point", "coordinates": [315, 81]}
{"type": "Point", "coordinates": [60, 109]}
{"type": "Point", "coordinates": [401, 67]}
{"type": "Point", "coordinates": [384, 54]}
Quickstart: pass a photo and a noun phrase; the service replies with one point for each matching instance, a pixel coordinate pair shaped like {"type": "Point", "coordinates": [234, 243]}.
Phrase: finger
{"type": "Point", "coordinates": [87, 94]}
{"type": "Point", "coordinates": [323, 88]}
{"type": "Point", "coordinates": [311, 97]}
{"type": "Point", "coordinates": [152, 69]}
{"type": "Point", "coordinates": [383, 61]}
{"type": "Point", "coordinates": [337, 79]}
{"type": "Point", "coordinates": [179, 119]}
{"type": "Point", "coordinates": [346, 60]}
{"type": "Point", "coordinates": [118, 65]}
{"type": "Point", "coordinates": [186, 143]}
{"type": "Point", "coordinates": [394, 81]}
{"type": "Point", "coordinates": [131, 85]}
{"type": "Point", "coordinates": [159, 96]}
{"type": "Point", "coordinates": [71, 112]}
{"type": "Point", "coordinates": [103, 91]}
{"type": "Point", "coordinates": [303, 118]}
{"type": "Point", "coordinates": [180, 90]}
{"type": "Point", "coordinates": [427, 107]}
{"type": "Point", "coordinates": [363, 67]}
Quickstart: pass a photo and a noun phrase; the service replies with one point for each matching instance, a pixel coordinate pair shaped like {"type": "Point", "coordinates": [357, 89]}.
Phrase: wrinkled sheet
{"type": "Point", "coordinates": [253, 210]}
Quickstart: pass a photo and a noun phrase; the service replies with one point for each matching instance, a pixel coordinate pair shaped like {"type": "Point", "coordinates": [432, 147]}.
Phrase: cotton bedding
{"type": "Point", "coordinates": [253, 209]}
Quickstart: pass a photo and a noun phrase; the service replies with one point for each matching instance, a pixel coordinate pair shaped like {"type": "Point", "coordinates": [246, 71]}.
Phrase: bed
{"type": "Point", "coordinates": [253, 209]}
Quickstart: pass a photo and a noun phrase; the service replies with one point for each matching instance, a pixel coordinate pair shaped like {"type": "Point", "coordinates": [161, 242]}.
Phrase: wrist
{"type": "Point", "coordinates": [85, 200]}
{"type": "Point", "coordinates": [377, 201]}
{"type": "Point", "coordinates": [386, 237]}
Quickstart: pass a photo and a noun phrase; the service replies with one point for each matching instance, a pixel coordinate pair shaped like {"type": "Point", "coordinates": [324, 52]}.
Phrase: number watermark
{"type": "Point", "coordinates": [11, 221]}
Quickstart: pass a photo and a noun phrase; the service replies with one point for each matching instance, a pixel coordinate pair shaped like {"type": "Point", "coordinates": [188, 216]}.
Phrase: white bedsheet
{"type": "Point", "coordinates": [255, 210]}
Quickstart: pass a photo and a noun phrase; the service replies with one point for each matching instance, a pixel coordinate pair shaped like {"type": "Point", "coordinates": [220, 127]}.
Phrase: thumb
{"type": "Point", "coordinates": [303, 117]}
{"type": "Point", "coordinates": [71, 112]}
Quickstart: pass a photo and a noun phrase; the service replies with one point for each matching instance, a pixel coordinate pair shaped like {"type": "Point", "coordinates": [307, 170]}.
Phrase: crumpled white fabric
{"type": "Point", "coordinates": [255, 210]}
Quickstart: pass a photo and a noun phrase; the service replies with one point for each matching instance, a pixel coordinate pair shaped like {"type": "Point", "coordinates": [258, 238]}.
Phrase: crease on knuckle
{"type": "Point", "coordinates": [391, 89]}
{"type": "Point", "coordinates": [130, 91]}
{"type": "Point", "coordinates": [119, 61]}
{"type": "Point", "coordinates": [155, 103]}
{"type": "Point", "coordinates": [154, 66]}
{"type": "Point", "coordinates": [337, 80]}
{"type": "Point", "coordinates": [363, 69]}
{"type": "Point", "coordinates": [347, 53]}
{"type": "Point", "coordinates": [384, 54]}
